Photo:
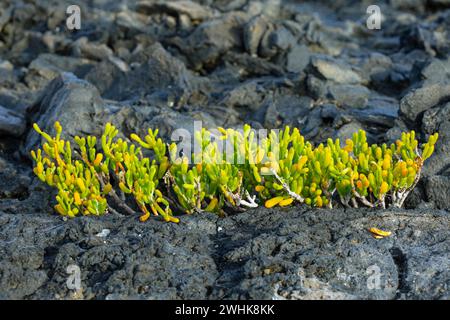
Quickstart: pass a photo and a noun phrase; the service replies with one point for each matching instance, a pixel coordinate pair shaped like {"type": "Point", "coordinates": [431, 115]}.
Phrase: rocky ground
{"type": "Point", "coordinates": [261, 254]}
{"type": "Point", "coordinates": [164, 64]}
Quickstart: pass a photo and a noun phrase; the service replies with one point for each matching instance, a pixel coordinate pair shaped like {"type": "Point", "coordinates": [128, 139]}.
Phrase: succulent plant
{"type": "Point", "coordinates": [232, 170]}
{"type": "Point", "coordinates": [214, 181]}
{"type": "Point", "coordinates": [79, 188]}
{"type": "Point", "coordinates": [84, 183]}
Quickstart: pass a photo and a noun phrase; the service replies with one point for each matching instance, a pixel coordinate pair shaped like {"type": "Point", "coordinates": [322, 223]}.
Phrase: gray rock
{"type": "Point", "coordinates": [295, 28]}
{"type": "Point", "coordinates": [417, 198]}
{"type": "Point", "coordinates": [97, 51]}
{"type": "Point", "coordinates": [437, 119]}
{"type": "Point", "coordinates": [247, 95]}
{"type": "Point", "coordinates": [395, 132]}
{"type": "Point", "coordinates": [316, 87]}
{"type": "Point", "coordinates": [399, 74]}
{"type": "Point", "coordinates": [23, 266]}
{"type": "Point", "coordinates": [287, 110]}
{"type": "Point", "coordinates": [270, 8]}
{"type": "Point", "coordinates": [14, 184]}
{"type": "Point", "coordinates": [165, 64]}
{"type": "Point", "coordinates": [11, 123]}
{"type": "Point", "coordinates": [436, 71]}
{"type": "Point", "coordinates": [335, 71]}
{"type": "Point", "coordinates": [262, 254]}
{"type": "Point", "coordinates": [72, 102]}
{"type": "Point", "coordinates": [421, 99]}
{"type": "Point", "coordinates": [433, 118]}
{"type": "Point", "coordinates": [297, 58]}
{"type": "Point", "coordinates": [136, 264]}
{"type": "Point", "coordinates": [131, 21]}
{"type": "Point", "coordinates": [47, 66]}
{"type": "Point", "coordinates": [438, 163]}
{"type": "Point", "coordinates": [329, 111]}
{"type": "Point", "coordinates": [266, 48]}
{"type": "Point", "coordinates": [343, 265]}
{"type": "Point", "coordinates": [193, 10]}
{"type": "Point", "coordinates": [282, 39]}
{"type": "Point", "coordinates": [374, 63]}
{"type": "Point", "coordinates": [437, 190]}
{"type": "Point", "coordinates": [440, 2]}
{"type": "Point", "coordinates": [157, 69]}
{"type": "Point", "coordinates": [5, 15]}
{"type": "Point", "coordinates": [347, 130]}
{"type": "Point", "coordinates": [408, 5]}
{"type": "Point", "coordinates": [18, 99]}
{"type": "Point", "coordinates": [109, 80]}
{"type": "Point", "coordinates": [380, 112]}
{"type": "Point", "coordinates": [421, 36]}
{"type": "Point", "coordinates": [138, 119]}
{"type": "Point", "coordinates": [213, 38]}
{"type": "Point", "coordinates": [253, 66]}
{"type": "Point", "coordinates": [253, 33]}
{"type": "Point", "coordinates": [354, 96]}
{"type": "Point", "coordinates": [311, 124]}
{"type": "Point", "coordinates": [5, 65]}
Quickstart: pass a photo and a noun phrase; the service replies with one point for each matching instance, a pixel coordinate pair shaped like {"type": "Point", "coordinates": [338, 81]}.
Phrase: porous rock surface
{"type": "Point", "coordinates": [165, 64]}
{"type": "Point", "coordinates": [295, 253]}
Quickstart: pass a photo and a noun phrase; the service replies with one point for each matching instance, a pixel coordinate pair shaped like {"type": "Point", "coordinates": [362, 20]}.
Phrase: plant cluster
{"type": "Point", "coordinates": [85, 183]}
{"type": "Point", "coordinates": [232, 170]}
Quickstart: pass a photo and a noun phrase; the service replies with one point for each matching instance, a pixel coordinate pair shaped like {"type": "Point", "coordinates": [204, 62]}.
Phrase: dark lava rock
{"type": "Point", "coordinates": [72, 102]}
{"type": "Point", "coordinates": [437, 119]}
{"type": "Point", "coordinates": [438, 188]}
{"type": "Point", "coordinates": [317, 88]}
{"type": "Point", "coordinates": [412, 5]}
{"type": "Point", "coordinates": [211, 39]}
{"type": "Point", "coordinates": [335, 71]}
{"type": "Point", "coordinates": [155, 69]}
{"type": "Point", "coordinates": [287, 110]}
{"type": "Point", "coordinates": [83, 48]}
{"type": "Point", "coordinates": [349, 95]}
{"type": "Point", "coordinates": [193, 10]}
{"type": "Point", "coordinates": [14, 182]}
{"type": "Point", "coordinates": [247, 95]}
{"type": "Point", "coordinates": [163, 64]}
{"type": "Point", "coordinates": [292, 263]}
{"type": "Point", "coordinates": [346, 131]}
{"type": "Point", "coordinates": [433, 118]}
{"type": "Point", "coordinates": [11, 123]}
{"type": "Point", "coordinates": [46, 67]}
{"type": "Point", "coordinates": [282, 39]}
{"type": "Point", "coordinates": [425, 37]}
{"type": "Point", "coordinates": [253, 32]}
{"type": "Point", "coordinates": [135, 259]}
{"type": "Point", "coordinates": [297, 58]}
{"type": "Point", "coordinates": [253, 66]}
{"type": "Point", "coordinates": [436, 71]}
{"type": "Point", "coordinates": [380, 111]}
{"type": "Point", "coordinates": [262, 254]}
{"type": "Point", "coordinates": [423, 98]}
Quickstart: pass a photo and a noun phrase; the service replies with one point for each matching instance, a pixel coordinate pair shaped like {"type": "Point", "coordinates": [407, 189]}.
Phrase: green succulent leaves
{"type": "Point", "coordinates": [232, 170]}
{"type": "Point", "coordinates": [84, 184]}
{"type": "Point", "coordinates": [79, 189]}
